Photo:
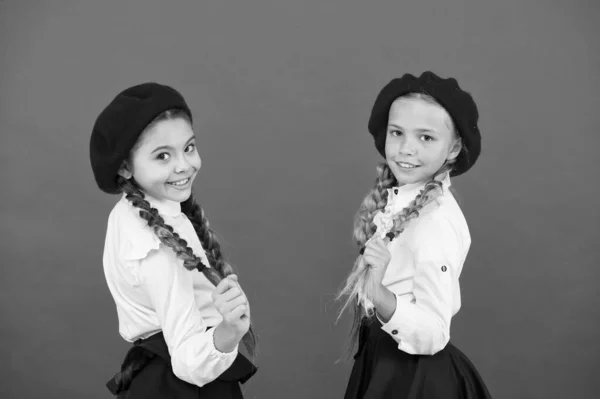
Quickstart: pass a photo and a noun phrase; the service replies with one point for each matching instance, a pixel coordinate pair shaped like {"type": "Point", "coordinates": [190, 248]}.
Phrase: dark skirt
{"type": "Point", "coordinates": [146, 373]}
{"type": "Point", "coordinates": [382, 371]}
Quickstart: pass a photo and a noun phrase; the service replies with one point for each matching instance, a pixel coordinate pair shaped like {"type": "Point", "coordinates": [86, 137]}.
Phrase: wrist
{"type": "Point", "coordinates": [225, 338]}
{"type": "Point", "coordinates": [385, 302]}
{"type": "Point", "coordinates": [380, 293]}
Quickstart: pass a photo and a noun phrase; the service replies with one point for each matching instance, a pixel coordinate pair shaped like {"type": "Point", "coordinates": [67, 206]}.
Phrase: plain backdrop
{"type": "Point", "coordinates": [281, 92]}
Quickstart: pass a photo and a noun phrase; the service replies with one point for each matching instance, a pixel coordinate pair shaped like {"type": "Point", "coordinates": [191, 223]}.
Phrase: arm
{"type": "Point", "coordinates": [198, 356]}
{"type": "Point", "coordinates": [420, 323]}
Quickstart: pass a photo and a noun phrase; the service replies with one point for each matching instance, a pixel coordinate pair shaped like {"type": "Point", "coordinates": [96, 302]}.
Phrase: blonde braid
{"type": "Point", "coordinates": [364, 228]}
{"type": "Point", "coordinates": [360, 285]}
{"type": "Point", "coordinates": [431, 190]}
{"type": "Point", "coordinates": [375, 201]}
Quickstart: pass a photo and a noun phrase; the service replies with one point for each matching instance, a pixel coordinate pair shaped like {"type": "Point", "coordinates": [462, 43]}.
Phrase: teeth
{"type": "Point", "coordinates": [406, 165]}
{"type": "Point", "coordinates": [180, 182]}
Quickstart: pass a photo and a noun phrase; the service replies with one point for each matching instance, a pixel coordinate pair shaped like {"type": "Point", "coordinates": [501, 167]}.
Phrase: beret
{"type": "Point", "coordinates": [119, 125]}
{"type": "Point", "coordinates": [458, 103]}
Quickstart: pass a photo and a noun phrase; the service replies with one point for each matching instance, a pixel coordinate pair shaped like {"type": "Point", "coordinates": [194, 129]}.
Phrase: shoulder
{"type": "Point", "coordinates": [125, 214]}
{"type": "Point", "coordinates": [136, 238]}
{"type": "Point", "coordinates": [441, 224]}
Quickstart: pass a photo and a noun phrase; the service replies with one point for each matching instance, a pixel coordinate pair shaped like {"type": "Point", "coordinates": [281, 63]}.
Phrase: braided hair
{"type": "Point", "coordinates": [219, 268]}
{"type": "Point", "coordinates": [360, 285]}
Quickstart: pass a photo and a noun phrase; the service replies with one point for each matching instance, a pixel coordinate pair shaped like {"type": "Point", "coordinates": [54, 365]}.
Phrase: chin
{"type": "Point", "coordinates": [184, 196]}
{"type": "Point", "coordinates": [179, 196]}
{"type": "Point", "coordinates": [406, 178]}
{"type": "Point", "coordinates": [404, 181]}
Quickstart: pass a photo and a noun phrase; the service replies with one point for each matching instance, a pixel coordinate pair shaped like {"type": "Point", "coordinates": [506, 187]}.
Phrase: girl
{"type": "Point", "coordinates": [176, 297]}
{"type": "Point", "coordinates": [404, 286]}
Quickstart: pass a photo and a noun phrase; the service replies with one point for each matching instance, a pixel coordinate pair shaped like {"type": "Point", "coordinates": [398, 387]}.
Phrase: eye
{"type": "Point", "coordinates": [427, 137]}
{"type": "Point", "coordinates": [190, 148]}
{"type": "Point", "coordinates": [394, 132]}
{"type": "Point", "coordinates": [163, 156]}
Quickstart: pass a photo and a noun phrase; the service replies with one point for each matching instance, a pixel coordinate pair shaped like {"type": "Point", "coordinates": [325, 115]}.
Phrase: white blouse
{"type": "Point", "coordinates": [154, 292]}
{"type": "Point", "coordinates": [424, 270]}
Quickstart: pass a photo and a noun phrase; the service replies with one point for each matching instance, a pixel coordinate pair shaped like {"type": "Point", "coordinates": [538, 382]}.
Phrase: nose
{"type": "Point", "coordinates": [182, 165]}
{"type": "Point", "coordinates": [406, 146]}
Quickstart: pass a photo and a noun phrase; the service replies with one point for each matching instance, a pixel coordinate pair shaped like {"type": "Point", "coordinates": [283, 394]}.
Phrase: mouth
{"type": "Point", "coordinates": [407, 165]}
{"type": "Point", "coordinates": [180, 183]}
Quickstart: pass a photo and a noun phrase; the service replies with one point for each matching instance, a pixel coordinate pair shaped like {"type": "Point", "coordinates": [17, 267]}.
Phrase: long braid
{"type": "Point", "coordinates": [375, 201]}
{"type": "Point", "coordinates": [171, 239]}
{"type": "Point", "coordinates": [431, 190]}
{"type": "Point", "coordinates": [359, 285]}
{"type": "Point", "coordinates": [364, 228]}
{"type": "Point", "coordinates": [212, 246]}
{"type": "Point", "coordinates": [207, 237]}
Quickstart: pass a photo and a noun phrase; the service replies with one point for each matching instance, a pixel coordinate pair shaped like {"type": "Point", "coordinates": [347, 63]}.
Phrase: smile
{"type": "Point", "coordinates": [406, 165]}
{"type": "Point", "coordinates": [180, 182]}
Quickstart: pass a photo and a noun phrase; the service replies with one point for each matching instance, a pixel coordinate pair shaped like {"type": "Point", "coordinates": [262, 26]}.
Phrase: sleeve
{"type": "Point", "coordinates": [169, 286]}
{"type": "Point", "coordinates": [421, 322]}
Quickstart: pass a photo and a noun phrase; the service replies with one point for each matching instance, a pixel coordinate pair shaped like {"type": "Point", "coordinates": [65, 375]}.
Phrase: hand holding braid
{"type": "Point", "coordinates": [219, 268]}
{"type": "Point", "coordinates": [208, 238]}
{"type": "Point", "coordinates": [361, 283]}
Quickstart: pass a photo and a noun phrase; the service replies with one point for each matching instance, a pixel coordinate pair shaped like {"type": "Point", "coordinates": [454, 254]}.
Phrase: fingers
{"type": "Point", "coordinates": [227, 284]}
{"type": "Point", "coordinates": [230, 300]}
{"type": "Point", "coordinates": [224, 285]}
{"type": "Point", "coordinates": [372, 261]}
{"type": "Point", "coordinates": [228, 295]}
{"type": "Point", "coordinates": [377, 243]}
{"type": "Point", "coordinates": [234, 278]}
{"type": "Point", "coordinates": [377, 252]}
{"type": "Point", "coordinates": [239, 312]}
{"type": "Point", "coordinates": [235, 312]}
{"type": "Point", "coordinates": [231, 294]}
{"type": "Point", "coordinates": [229, 306]}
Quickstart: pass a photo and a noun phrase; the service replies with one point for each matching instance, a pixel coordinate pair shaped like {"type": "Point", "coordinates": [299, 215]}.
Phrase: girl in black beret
{"type": "Point", "coordinates": [177, 299]}
{"type": "Point", "coordinates": [413, 239]}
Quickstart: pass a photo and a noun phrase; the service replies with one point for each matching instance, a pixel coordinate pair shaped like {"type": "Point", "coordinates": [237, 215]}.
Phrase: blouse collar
{"type": "Point", "coordinates": [400, 197]}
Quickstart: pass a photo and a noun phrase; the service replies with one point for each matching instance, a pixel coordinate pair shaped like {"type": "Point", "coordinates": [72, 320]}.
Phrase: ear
{"type": "Point", "coordinates": [455, 149]}
{"type": "Point", "coordinates": [125, 171]}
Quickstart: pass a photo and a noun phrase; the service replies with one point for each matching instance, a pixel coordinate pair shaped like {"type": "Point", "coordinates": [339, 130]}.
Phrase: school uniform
{"type": "Point", "coordinates": [166, 311]}
{"type": "Point", "coordinates": [410, 355]}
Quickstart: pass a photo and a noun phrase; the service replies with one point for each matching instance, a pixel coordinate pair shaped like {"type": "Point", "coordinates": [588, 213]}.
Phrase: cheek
{"type": "Point", "coordinates": [196, 161]}
{"type": "Point", "coordinates": [149, 171]}
{"type": "Point", "coordinates": [389, 146]}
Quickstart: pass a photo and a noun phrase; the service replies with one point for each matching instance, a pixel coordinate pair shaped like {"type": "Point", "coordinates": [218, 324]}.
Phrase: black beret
{"type": "Point", "coordinates": [119, 125]}
{"type": "Point", "coordinates": [458, 103]}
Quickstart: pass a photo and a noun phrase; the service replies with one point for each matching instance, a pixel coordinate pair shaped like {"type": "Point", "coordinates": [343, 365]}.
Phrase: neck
{"type": "Point", "coordinates": [164, 206]}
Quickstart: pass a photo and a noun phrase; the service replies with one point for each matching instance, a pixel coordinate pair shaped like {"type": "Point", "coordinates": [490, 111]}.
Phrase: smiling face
{"type": "Point", "coordinates": [420, 139]}
{"type": "Point", "coordinates": [164, 162]}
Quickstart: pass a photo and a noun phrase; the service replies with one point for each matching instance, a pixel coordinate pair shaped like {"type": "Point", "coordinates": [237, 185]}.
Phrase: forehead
{"type": "Point", "coordinates": [415, 112]}
{"type": "Point", "coordinates": [171, 132]}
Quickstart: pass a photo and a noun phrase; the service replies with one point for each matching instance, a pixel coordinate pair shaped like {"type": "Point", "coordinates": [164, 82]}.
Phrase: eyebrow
{"type": "Point", "coordinates": [168, 147]}
{"type": "Point", "coordinates": [419, 130]}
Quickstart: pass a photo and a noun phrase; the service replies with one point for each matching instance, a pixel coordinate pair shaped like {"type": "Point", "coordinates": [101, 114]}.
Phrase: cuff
{"type": "Point", "coordinates": [399, 325]}
{"type": "Point", "coordinates": [222, 355]}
